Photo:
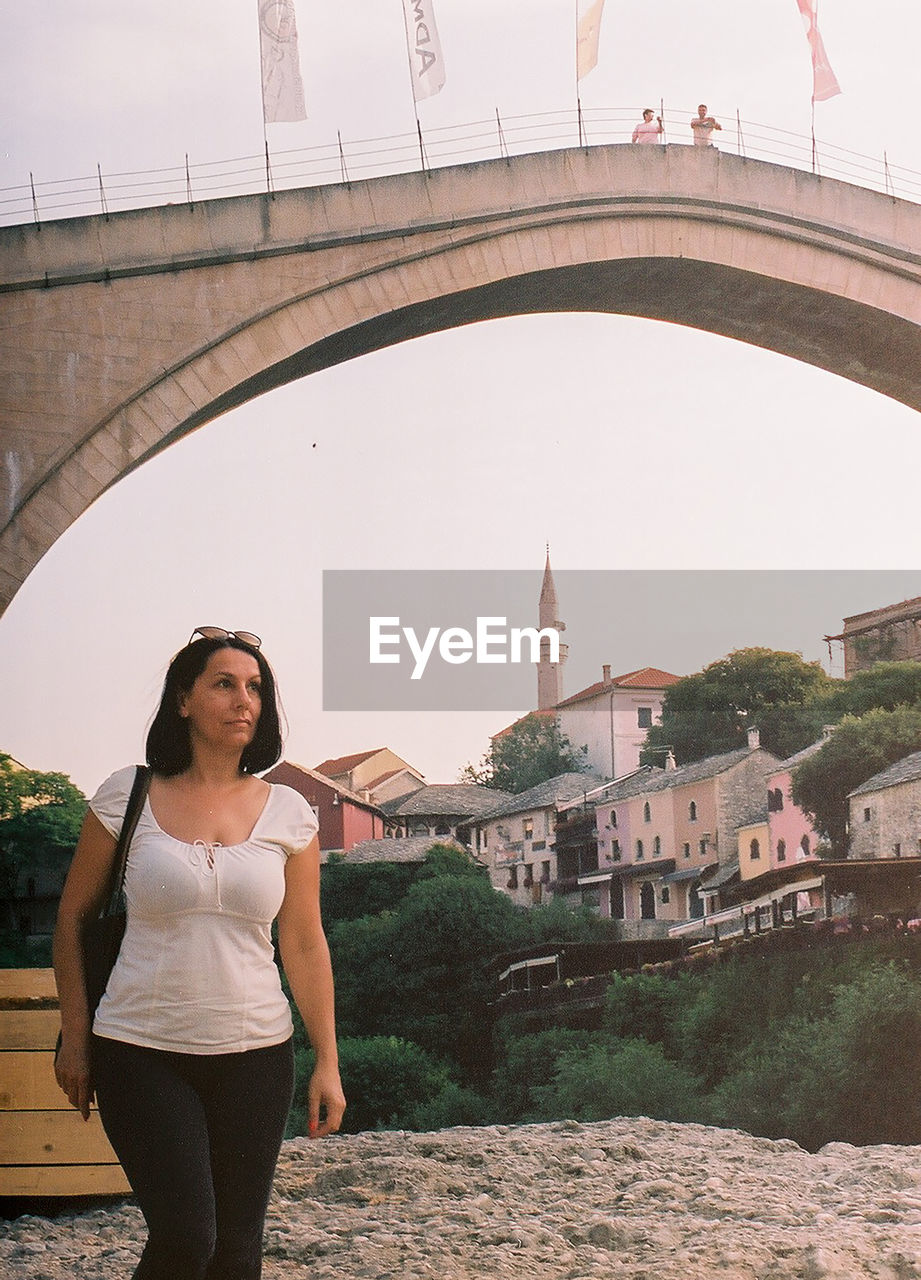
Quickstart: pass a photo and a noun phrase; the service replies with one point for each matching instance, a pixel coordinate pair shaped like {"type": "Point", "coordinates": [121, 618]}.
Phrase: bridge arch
{"type": "Point", "coordinates": [133, 330]}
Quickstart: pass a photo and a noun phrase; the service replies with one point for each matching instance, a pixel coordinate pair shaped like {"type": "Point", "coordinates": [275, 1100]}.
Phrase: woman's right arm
{"type": "Point", "coordinates": [81, 901]}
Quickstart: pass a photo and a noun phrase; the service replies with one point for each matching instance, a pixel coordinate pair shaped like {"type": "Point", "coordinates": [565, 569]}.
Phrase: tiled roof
{"type": "Point", "coordinates": [644, 678]}
{"type": "Point", "coordinates": [565, 786]}
{"type": "Point", "coordinates": [342, 764]}
{"type": "Point", "coordinates": [546, 712]}
{"type": "Point", "coordinates": [458, 799]}
{"type": "Point", "coordinates": [649, 779]}
{"type": "Point", "coordinates": [722, 874]}
{"type": "Point", "coordinates": [410, 849]}
{"type": "Point", "coordinates": [321, 778]}
{"type": "Point", "coordinates": [792, 761]}
{"type": "Point", "coordinates": [908, 769]}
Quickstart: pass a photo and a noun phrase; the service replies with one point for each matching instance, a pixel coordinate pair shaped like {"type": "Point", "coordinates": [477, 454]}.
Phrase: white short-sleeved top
{"type": "Point", "coordinates": [196, 972]}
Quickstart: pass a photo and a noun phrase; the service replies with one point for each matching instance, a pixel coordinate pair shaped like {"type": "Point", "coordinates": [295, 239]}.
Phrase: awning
{"type": "Point", "coordinates": [778, 895]}
{"type": "Point", "coordinates": [653, 870]}
{"type": "Point", "coordinates": [596, 877]}
{"type": "Point", "coordinates": [688, 873]}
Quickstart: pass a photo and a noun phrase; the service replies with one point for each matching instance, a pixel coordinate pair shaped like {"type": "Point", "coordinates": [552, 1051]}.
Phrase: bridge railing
{"type": "Point", "coordinates": [343, 161]}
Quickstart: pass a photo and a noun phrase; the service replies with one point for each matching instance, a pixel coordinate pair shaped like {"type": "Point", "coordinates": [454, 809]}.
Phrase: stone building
{"type": "Point", "coordinates": [885, 812]}
{"type": "Point", "coordinates": [890, 634]}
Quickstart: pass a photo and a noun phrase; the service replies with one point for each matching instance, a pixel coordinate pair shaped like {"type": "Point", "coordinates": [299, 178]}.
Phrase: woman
{"type": "Point", "coordinates": [190, 1048]}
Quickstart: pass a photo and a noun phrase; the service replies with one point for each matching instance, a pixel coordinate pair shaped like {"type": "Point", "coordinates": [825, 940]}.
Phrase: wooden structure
{"type": "Point", "coordinates": [46, 1148]}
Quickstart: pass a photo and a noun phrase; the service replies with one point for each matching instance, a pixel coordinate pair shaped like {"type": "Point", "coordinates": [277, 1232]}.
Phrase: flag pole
{"type": "Point", "coordinates": [662, 118]}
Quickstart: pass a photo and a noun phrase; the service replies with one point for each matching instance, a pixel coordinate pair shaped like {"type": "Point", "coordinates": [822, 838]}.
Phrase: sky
{"type": "Point", "coordinates": [726, 457]}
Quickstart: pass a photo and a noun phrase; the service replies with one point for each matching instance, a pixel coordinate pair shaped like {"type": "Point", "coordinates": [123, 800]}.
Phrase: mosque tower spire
{"type": "Point", "coordinates": [549, 674]}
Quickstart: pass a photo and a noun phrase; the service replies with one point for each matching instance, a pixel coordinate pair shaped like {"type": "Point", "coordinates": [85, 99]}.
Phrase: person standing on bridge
{"type": "Point", "coordinates": [647, 131]}
{"type": "Point", "coordinates": [702, 126]}
{"type": "Point", "coordinates": [190, 1050]}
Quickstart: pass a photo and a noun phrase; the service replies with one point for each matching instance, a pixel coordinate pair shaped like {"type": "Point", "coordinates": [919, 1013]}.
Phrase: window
{"type": "Point", "coordinates": [692, 811]}
{"type": "Point", "coordinates": [644, 717]}
{"type": "Point", "coordinates": [528, 875]}
{"type": "Point", "coordinates": [754, 850]}
{"type": "Point", "coordinates": [527, 828]}
{"type": "Point", "coordinates": [866, 815]}
{"type": "Point", "coordinates": [702, 848]}
{"type": "Point", "coordinates": [775, 800]}
{"type": "Point", "coordinates": [613, 817]}
{"type": "Point", "coordinates": [615, 851]}
{"type": "Point", "coordinates": [897, 849]}
{"type": "Point", "coordinates": [547, 827]}
{"type": "Point", "coordinates": [512, 882]}
{"type": "Point", "coordinates": [687, 848]}
{"type": "Point", "coordinates": [647, 812]}
{"type": "Point", "coordinates": [804, 844]}
{"type": "Point", "coordinates": [666, 894]}
{"type": "Point", "coordinates": [545, 873]}
{"type": "Point", "coordinates": [781, 850]}
{"type": "Point", "coordinates": [639, 849]}
{"type": "Point", "coordinates": [656, 847]}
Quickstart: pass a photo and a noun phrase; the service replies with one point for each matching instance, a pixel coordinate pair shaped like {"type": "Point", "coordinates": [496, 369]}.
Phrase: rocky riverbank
{"type": "Point", "coordinates": [619, 1200]}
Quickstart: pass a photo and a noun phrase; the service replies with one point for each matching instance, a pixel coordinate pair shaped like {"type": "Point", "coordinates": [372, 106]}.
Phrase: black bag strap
{"type": "Point", "coordinates": [136, 800]}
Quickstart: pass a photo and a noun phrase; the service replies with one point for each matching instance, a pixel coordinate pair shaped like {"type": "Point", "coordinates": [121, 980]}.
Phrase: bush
{"type": "Point", "coordinates": [647, 1006]}
{"type": "Point", "coordinates": [526, 1062]}
{"type": "Point", "coordinates": [384, 1080]}
{"type": "Point", "coordinates": [849, 1076]}
{"type": "Point", "coordinates": [620, 1078]}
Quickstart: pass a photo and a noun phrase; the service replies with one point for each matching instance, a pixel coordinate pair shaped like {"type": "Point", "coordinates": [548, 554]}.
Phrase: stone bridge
{"type": "Point", "coordinates": [122, 334]}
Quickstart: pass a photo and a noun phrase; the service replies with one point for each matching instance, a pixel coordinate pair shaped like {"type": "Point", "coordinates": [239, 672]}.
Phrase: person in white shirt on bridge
{"type": "Point", "coordinates": [648, 131]}
{"type": "Point", "coordinates": [702, 126]}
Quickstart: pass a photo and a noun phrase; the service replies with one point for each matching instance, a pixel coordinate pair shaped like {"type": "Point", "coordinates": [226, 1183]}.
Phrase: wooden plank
{"type": "Point", "coordinates": [53, 1137]}
{"type": "Point", "coordinates": [27, 1082]}
{"type": "Point", "coordinates": [29, 1028]}
{"type": "Point", "coordinates": [63, 1180]}
{"type": "Point", "coordinates": [28, 984]}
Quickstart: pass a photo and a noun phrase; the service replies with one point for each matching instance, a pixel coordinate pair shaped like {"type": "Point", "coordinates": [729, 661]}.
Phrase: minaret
{"type": "Point", "coordinates": [549, 674]}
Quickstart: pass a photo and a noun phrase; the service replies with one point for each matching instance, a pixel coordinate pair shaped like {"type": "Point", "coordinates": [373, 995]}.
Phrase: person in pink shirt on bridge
{"type": "Point", "coordinates": [646, 131]}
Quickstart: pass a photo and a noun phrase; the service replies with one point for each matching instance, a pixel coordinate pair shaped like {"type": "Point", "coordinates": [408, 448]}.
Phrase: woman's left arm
{"type": "Point", "coordinates": [305, 957]}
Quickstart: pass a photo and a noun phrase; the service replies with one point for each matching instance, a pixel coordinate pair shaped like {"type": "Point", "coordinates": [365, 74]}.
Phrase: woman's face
{"type": "Point", "coordinates": [224, 704]}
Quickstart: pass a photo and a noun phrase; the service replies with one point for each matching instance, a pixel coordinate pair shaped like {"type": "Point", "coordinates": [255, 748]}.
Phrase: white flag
{"type": "Point", "coordinates": [425, 61]}
{"type": "Point", "coordinates": [282, 87]}
{"type": "Point", "coordinates": [824, 83]}
{"type": "Point", "coordinates": [588, 33]}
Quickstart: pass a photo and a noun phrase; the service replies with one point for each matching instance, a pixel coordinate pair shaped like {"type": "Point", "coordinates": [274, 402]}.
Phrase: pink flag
{"type": "Point", "coordinates": [824, 84]}
{"type": "Point", "coordinates": [588, 33]}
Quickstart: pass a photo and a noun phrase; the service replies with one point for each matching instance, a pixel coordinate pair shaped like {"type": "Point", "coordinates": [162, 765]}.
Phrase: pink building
{"type": "Point", "coordinates": [792, 836]}
{"type": "Point", "coordinates": [612, 717]}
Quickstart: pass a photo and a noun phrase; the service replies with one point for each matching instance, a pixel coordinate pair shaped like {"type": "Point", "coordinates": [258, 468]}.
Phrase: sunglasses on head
{"type": "Point", "coordinates": [219, 633]}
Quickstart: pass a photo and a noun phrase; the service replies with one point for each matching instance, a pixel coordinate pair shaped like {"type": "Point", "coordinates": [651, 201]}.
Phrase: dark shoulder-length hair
{"type": "Point", "coordinates": [169, 748]}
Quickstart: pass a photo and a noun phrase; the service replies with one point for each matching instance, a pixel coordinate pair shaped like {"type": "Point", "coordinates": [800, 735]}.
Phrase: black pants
{"type": "Point", "coordinates": [198, 1137]}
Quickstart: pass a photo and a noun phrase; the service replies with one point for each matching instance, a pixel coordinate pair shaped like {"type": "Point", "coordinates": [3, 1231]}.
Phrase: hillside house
{"type": "Point", "coordinates": [518, 837]}
{"type": "Point", "coordinates": [378, 775]}
{"type": "Point", "coordinates": [885, 812]}
{"type": "Point", "coordinates": [611, 718]}
{"type": "Point", "coordinates": [443, 811]}
{"type": "Point", "coordinates": [345, 817]}
{"type": "Point", "coordinates": [671, 837]}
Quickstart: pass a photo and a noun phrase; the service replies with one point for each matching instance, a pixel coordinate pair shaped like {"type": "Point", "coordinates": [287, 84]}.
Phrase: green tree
{"type": "Point", "coordinates": [421, 972]}
{"type": "Point", "coordinates": [533, 750]}
{"type": "Point", "coordinates": [885, 684]}
{"type": "Point", "coordinates": [40, 814]}
{"type": "Point", "coordinates": [709, 712]}
{"type": "Point", "coordinates": [859, 748]}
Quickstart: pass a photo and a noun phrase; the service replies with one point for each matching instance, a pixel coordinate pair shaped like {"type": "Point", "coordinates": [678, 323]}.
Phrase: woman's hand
{"type": "Point", "coordinates": [72, 1071]}
{"type": "Point", "coordinates": [326, 1101]}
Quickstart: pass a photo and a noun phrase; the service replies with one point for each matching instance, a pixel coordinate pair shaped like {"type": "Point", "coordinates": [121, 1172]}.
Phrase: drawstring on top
{"type": "Point", "coordinates": [202, 858]}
